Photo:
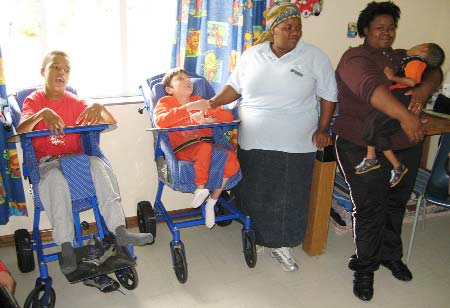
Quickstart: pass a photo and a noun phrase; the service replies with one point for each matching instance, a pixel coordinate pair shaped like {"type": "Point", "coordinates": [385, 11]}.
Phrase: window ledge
{"type": "Point", "coordinates": [121, 100]}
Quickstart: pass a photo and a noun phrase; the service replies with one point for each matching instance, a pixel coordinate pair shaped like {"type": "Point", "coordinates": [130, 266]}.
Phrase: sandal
{"type": "Point", "coordinates": [367, 165]}
{"type": "Point", "coordinates": [397, 175]}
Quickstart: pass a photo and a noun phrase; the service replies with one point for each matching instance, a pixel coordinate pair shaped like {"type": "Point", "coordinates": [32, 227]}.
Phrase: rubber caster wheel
{"type": "Point", "coordinates": [128, 278]}
{"type": "Point", "coordinates": [146, 218]}
{"type": "Point", "coordinates": [24, 250]}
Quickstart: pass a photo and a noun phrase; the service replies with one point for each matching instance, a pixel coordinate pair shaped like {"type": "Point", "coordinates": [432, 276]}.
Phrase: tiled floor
{"type": "Point", "coordinates": [219, 276]}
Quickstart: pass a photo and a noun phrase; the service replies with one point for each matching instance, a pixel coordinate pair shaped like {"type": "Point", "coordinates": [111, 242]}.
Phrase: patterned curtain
{"type": "Point", "coordinates": [12, 199]}
{"type": "Point", "coordinates": [212, 34]}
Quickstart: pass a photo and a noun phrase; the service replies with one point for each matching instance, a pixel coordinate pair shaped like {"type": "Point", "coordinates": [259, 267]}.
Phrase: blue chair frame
{"type": "Point", "coordinates": [83, 198]}
{"type": "Point", "coordinates": [437, 188]}
{"type": "Point", "coordinates": [152, 90]}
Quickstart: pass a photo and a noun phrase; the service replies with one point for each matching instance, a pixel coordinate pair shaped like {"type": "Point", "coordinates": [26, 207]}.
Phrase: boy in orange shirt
{"type": "Point", "coordinates": [180, 108]}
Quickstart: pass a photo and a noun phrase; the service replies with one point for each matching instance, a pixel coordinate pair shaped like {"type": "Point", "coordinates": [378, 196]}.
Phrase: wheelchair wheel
{"type": "Point", "coordinates": [36, 298]}
{"type": "Point", "coordinates": [221, 210]}
{"type": "Point", "coordinates": [249, 248]}
{"type": "Point", "coordinates": [146, 218]}
{"type": "Point", "coordinates": [128, 278]}
{"type": "Point", "coordinates": [24, 250]}
{"type": "Point", "coordinates": [180, 265]}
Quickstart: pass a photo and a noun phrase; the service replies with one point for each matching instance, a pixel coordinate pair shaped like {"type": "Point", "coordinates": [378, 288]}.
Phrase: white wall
{"type": "Point", "coordinates": [130, 147]}
{"type": "Point", "coordinates": [420, 22]}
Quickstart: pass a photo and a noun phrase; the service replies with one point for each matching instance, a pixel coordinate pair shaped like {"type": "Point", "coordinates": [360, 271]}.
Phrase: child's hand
{"type": "Point", "coordinates": [199, 118]}
{"type": "Point", "coordinates": [91, 115]}
{"type": "Point", "coordinates": [54, 122]}
{"type": "Point", "coordinates": [201, 105]}
{"type": "Point", "coordinates": [389, 73]}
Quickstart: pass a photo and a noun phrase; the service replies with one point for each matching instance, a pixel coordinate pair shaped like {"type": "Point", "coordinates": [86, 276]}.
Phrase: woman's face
{"type": "Point", "coordinates": [381, 32]}
{"type": "Point", "coordinates": [287, 34]}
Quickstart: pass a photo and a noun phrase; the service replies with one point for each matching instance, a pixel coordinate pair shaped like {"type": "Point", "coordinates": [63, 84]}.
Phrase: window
{"type": "Point", "coordinates": [114, 45]}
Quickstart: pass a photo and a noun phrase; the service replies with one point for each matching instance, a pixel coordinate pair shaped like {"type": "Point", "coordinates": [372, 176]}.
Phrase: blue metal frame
{"type": "Point", "coordinates": [163, 215]}
{"type": "Point", "coordinates": [37, 244]}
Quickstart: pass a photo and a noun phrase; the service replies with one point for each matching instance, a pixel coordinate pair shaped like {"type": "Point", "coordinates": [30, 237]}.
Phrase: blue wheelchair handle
{"type": "Point", "coordinates": [67, 130]}
{"type": "Point", "coordinates": [189, 127]}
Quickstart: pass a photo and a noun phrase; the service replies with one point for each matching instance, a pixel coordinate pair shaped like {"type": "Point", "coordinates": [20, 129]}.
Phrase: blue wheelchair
{"type": "Point", "coordinates": [179, 175]}
{"type": "Point", "coordinates": [77, 172]}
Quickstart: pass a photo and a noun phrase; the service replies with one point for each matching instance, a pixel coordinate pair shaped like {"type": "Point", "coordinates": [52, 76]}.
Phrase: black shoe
{"type": "Point", "coordinates": [102, 282]}
{"type": "Point", "coordinates": [398, 269]}
{"type": "Point", "coordinates": [353, 263]}
{"type": "Point", "coordinates": [363, 285]}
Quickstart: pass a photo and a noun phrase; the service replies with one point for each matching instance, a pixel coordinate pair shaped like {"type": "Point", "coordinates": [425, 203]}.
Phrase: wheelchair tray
{"type": "Point", "coordinates": [198, 126]}
{"type": "Point", "coordinates": [67, 130]}
{"type": "Point", "coordinates": [121, 260]}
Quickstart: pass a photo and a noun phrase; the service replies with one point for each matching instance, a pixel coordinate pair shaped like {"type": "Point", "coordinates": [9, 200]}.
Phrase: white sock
{"type": "Point", "coordinates": [199, 196]}
{"type": "Point", "coordinates": [210, 216]}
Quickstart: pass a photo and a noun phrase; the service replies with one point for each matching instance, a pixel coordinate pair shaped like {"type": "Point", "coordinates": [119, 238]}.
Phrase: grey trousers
{"type": "Point", "coordinates": [55, 197]}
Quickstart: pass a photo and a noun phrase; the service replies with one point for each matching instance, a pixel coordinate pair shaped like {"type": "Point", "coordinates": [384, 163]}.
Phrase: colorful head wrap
{"type": "Point", "coordinates": [276, 15]}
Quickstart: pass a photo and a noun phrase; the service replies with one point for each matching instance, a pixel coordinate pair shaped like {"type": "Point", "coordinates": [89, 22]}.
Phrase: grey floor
{"type": "Point", "coordinates": [219, 276]}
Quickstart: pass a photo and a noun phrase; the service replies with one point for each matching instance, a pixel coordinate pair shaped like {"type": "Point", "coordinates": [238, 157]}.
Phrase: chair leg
{"type": "Point", "coordinates": [413, 232]}
{"type": "Point", "coordinates": [424, 213]}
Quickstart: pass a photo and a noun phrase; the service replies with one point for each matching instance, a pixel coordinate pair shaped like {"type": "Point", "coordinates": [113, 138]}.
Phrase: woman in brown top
{"type": "Point", "coordinates": [378, 210]}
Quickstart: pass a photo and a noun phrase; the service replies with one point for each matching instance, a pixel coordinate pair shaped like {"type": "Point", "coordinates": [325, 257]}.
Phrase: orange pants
{"type": "Point", "coordinates": [200, 154]}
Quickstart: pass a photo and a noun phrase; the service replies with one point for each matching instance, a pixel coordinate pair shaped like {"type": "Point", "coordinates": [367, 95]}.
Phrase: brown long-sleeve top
{"type": "Point", "coordinates": [359, 72]}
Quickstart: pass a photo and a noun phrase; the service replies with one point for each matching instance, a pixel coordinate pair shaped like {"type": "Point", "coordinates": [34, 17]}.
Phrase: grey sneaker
{"type": "Point", "coordinates": [98, 252]}
{"type": "Point", "coordinates": [284, 256]}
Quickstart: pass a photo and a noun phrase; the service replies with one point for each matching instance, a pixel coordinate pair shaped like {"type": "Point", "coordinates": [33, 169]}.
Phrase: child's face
{"type": "Point", "coordinates": [420, 50]}
{"type": "Point", "coordinates": [56, 73]}
{"type": "Point", "coordinates": [180, 85]}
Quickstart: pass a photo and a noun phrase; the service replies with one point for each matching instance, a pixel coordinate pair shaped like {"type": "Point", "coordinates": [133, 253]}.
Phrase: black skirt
{"type": "Point", "coordinates": [274, 192]}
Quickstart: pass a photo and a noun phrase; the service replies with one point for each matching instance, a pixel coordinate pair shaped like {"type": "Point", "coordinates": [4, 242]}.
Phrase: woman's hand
{"type": "Point", "coordinates": [418, 100]}
{"type": "Point", "coordinates": [200, 105]}
{"type": "Point", "coordinates": [413, 127]}
{"type": "Point", "coordinates": [321, 138]}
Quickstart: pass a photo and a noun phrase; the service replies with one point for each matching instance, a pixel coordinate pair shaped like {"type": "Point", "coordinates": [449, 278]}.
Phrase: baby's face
{"type": "Point", "coordinates": [420, 50]}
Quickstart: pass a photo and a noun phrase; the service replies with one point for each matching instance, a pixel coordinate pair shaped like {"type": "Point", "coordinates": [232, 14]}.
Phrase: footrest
{"type": "Point", "coordinates": [122, 259]}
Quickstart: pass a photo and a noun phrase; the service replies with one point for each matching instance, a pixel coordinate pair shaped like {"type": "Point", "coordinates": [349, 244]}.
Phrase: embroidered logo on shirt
{"type": "Point", "coordinates": [296, 72]}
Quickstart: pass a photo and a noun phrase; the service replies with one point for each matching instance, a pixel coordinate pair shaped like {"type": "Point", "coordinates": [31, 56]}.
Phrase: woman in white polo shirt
{"type": "Point", "coordinates": [281, 81]}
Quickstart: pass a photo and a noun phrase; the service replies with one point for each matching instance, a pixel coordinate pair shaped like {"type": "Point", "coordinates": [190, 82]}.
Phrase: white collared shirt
{"type": "Point", "coordinates": [279, 106]}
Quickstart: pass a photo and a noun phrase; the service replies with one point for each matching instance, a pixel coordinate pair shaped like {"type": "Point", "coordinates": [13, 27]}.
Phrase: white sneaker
{"type": "Point", "coordinates": [284, 256]}
{"type": "Point", "coordinates": [199, 197]}
{"type": "Point", "coordinates": [259, 249]}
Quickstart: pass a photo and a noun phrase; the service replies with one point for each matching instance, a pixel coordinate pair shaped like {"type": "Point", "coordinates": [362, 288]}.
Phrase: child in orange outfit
{"type": "Point", "coordinates": [378, 126]}
{"type": "Point", "coordinates": [179, 108]}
